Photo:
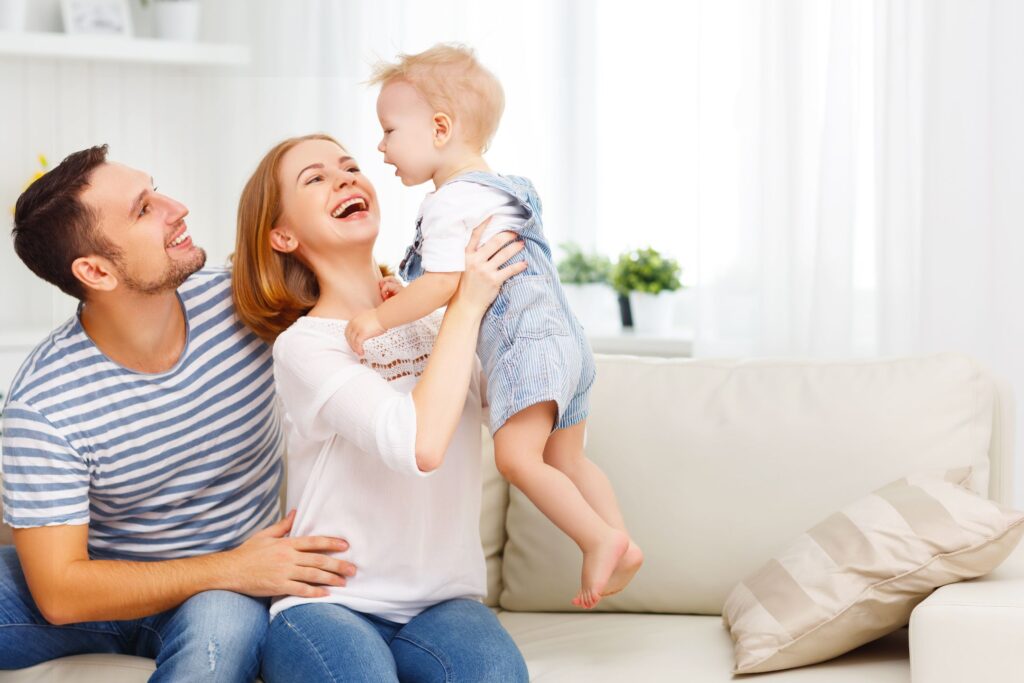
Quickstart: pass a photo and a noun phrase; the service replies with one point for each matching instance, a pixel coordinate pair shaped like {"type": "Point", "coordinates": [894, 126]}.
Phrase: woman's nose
{"type": "Point", "coordinates": [344, 178]}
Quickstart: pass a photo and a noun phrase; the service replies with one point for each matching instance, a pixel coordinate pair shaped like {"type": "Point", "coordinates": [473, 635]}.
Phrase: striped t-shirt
{"type": "Point", "coordinates": [174, 464]}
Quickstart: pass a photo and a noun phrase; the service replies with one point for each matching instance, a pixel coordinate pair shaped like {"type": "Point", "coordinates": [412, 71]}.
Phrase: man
{"type": "Point", "coordinates": [142, 446]}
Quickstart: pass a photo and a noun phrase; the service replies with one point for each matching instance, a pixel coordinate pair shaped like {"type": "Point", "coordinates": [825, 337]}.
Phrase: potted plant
{"type": "Point", "coordinates": [647, 278]}
{"type": "Point", "coordinates": [585, 278]}
{"type": "Point", "coordinates": [176, 19]}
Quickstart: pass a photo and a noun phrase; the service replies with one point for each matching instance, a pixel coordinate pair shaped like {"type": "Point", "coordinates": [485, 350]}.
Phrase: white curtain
{"type": "Point", "coordinates": [838, 177]}
{"type": "Point", "coordinates": [877, 179]}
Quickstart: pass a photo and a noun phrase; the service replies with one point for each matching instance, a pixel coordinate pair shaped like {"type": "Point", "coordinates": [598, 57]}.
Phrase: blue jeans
{"type": "Point", "coordinates": [456, 640]}
{"type": "Point", "coordinates": [212, 636]}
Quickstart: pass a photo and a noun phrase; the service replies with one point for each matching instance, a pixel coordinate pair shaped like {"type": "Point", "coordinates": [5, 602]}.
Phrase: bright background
{"type": "Point", "coordinates": [837, 177]}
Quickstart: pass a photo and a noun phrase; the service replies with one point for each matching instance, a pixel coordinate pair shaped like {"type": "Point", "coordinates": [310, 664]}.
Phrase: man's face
{"type": "Point", "coordinates": [154, 250]}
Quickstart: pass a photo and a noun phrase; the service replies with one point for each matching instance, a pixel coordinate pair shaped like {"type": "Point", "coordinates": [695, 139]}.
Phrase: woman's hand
{"type": "Point", "coordinates": [484, 275]}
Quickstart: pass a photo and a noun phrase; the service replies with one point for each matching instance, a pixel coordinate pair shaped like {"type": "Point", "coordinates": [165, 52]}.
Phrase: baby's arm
{"type": "Point", "coordinates": [425, 295]}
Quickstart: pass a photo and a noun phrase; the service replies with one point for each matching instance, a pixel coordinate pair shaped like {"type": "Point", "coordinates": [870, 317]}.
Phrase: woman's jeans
{"type": "Point", "coordinates": [213, 636]}
{"type": "Point", "coordinates": [456, 640]}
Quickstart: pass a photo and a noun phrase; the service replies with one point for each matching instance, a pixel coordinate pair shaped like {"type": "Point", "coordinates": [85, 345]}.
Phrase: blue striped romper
{"type": "Point", "coordinates": [531, 346]}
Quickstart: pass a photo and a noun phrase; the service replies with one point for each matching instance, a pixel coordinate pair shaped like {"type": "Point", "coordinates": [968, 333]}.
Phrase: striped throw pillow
{"type": "Point", "coordinates": [857, 575]}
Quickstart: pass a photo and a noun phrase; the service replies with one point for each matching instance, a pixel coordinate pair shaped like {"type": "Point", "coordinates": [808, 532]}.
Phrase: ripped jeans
{"type": "Point", "coordinates": [213, 636]}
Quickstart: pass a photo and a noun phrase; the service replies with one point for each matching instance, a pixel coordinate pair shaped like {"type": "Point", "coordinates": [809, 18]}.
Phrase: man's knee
{"type": "Point", "coordinates": [231, 617]}
{"type": "Point", "coordinates": [218, 630]}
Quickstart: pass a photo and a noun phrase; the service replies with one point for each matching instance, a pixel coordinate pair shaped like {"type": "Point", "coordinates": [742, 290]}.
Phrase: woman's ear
{"type": "Point", "coordinates": [282, 240]}
{"type": "Point", "coordinates": [442, 129]}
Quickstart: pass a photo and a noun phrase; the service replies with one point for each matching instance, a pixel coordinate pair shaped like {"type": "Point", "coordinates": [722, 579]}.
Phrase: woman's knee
{"type": "Point", "coordinates": [458, 640]}
{"type": "Point", "coordinates": [325, 642]}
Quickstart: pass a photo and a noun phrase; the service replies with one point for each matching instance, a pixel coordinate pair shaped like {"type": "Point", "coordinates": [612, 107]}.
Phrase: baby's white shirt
{"type": "Point", "coordinates": [449, 214]}
{"type": "Point", "coordinates": [351, 434]}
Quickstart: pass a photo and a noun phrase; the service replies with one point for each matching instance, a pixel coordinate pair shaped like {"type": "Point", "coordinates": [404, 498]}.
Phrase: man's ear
{"type": "Point", "coordinates": [442, 129]}
{"type": "Point", "coordinates": [95, 272]}
{"type": "Point", "coordinates": [281, 239]}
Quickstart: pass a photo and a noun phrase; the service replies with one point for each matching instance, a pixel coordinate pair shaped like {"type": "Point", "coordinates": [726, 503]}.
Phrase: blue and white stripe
{"type": "Point", "coordinates": [165, 465]}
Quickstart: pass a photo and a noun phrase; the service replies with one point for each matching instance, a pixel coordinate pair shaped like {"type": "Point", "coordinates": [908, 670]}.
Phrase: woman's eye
{"type": "Point", "coordinates": [314, 179]}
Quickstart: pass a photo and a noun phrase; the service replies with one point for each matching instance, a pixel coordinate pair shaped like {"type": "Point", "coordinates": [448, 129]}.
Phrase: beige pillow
{"type": "Point", "coordinates": [858, 575]}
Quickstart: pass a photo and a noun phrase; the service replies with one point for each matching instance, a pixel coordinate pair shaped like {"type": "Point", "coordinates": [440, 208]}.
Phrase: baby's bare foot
{"type": "Point", "coordinates": [599, 564]}
{"type": "Point", "coordinates": [628, 565]}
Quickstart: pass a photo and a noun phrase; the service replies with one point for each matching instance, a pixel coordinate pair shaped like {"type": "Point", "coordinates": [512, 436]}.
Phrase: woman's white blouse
{"type": "Point", "coordinates": [351, 431]}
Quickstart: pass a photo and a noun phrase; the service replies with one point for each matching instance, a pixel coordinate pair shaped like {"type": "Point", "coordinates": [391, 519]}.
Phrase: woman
{"type": "Point", "coordinates": [367, 436]}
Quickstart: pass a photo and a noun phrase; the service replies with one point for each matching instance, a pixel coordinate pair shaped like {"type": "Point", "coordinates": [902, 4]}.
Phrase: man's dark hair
{"type": "Point", "coordinates": [53, 226]}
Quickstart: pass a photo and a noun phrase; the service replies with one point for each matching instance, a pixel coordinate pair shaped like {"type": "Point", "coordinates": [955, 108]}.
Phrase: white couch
{"type": "Point", "coordinates": [718, 464]}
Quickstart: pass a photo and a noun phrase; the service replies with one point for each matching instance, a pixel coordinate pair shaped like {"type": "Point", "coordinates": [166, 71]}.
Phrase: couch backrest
{"type": "Point", "coordinates": [718, 464]}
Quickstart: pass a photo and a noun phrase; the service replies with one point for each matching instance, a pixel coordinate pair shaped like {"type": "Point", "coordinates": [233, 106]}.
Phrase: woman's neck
{"type": "Point", "coordinates": [347, 287]}
{"type": "Point", "coordinates": [457, 166]}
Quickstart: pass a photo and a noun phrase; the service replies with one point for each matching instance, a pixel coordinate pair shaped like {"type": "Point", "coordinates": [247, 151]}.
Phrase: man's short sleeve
{"type": "Point", "coordinates": [46, 482]}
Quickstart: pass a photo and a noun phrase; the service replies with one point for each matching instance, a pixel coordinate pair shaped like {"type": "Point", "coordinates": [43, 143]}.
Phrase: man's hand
{"type": "Point", "coordinates": [269, 564]}
{"type": "Point", "coordinates": [390, 286]}
{"type": "Point", "coordinates": [364, 326]}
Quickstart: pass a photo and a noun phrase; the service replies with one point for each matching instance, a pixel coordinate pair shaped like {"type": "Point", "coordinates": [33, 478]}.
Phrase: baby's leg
{"type": "Point", "coordinates": [564, 451]}
{"type": "Point", "coordinates": [519, 454]}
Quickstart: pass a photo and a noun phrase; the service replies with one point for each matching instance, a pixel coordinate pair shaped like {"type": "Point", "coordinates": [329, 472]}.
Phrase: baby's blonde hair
{"type": "Point", "coordinates": [452, 81]}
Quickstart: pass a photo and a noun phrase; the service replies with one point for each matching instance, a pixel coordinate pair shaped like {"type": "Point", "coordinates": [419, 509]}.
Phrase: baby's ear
{"type": "Point", "coordinates": [442, 129]}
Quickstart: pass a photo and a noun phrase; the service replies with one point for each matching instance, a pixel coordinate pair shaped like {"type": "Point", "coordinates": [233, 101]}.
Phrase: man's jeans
{"type": "Point", "coordinates": [456, 640]}
{"type": "Point", "coordinates": [213, 636]}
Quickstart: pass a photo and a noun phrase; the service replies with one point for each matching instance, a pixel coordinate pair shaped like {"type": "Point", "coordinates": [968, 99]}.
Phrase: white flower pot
{"type": "Point", "coordinates": [595, 306]}
{"type": "Point", "coordinates": [177, 20]}
{"type": "Point", "coordinates": [13, 14]}
{"type": "Point", "coordinates": [652, 313]}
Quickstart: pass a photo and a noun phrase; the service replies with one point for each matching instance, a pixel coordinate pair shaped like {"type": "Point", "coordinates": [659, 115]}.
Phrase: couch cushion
{"type": "Point", "coordinates": [720, 464]}
{"type": "Point", "coordinates": [611, 648]}
{"type": "Point", "coordinates": [596, 648]}
{"type": "Point", "coordinates": [492, 519]}
{"type": "Point", "coordinates": [859, 573]}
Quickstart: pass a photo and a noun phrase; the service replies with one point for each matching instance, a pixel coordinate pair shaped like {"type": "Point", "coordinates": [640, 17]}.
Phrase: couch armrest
{"type": "Point", "coordinates": [971, 631]}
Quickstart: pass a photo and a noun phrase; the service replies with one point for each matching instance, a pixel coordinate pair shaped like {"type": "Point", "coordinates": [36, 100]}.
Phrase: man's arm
{"type": "Point", "coordinates": [422, 297]}
{"type": "Point", "coordinates": [69, 588]}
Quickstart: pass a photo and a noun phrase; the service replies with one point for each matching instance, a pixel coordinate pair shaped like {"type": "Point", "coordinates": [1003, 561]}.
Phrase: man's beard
{"type": "Point", "coordinates": [171, 279]}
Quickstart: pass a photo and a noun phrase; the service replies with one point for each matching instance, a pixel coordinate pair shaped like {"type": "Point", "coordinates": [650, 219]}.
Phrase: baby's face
{"type": "Point", "coordinates": [408, 142]}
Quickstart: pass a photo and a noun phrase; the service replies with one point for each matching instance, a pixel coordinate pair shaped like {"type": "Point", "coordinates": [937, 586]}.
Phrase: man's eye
{"type": "Point", "coordinates": [144, 210]}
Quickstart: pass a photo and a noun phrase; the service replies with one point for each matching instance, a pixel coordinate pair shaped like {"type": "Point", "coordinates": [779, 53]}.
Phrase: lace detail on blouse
{"type": "Point", "coordinates": [400, 352]}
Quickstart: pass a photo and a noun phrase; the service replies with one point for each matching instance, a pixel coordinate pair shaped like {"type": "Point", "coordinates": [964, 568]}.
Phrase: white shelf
{"type": "Point", "coordinates": [121, 49]}
{"type": "Point", "coordinates": [628, 342]}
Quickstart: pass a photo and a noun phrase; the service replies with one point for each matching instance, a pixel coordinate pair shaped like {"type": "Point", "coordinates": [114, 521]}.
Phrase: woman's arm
{"type": "Point", "coordinates": [440, 395]}
{"type": "Point", "coordinates": [327, 391]}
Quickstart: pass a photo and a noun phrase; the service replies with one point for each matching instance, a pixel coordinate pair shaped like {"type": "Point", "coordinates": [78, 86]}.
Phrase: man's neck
{"type": "Point", "coordinates": [142, 332]}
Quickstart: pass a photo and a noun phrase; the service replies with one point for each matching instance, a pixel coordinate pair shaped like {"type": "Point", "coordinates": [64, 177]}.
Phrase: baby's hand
{"type": "Point", "coordinates": [364, 326]}
{"type": "Point", "coordinates": [390, 286]}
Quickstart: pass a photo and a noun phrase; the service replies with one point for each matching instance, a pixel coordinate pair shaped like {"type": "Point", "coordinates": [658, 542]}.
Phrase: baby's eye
{"type": "Point", "coordinates": [354, 169]}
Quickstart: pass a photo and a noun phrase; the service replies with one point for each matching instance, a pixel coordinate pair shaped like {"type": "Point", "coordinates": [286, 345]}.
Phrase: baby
{"type": "Point", "coordinates": [439, 110]}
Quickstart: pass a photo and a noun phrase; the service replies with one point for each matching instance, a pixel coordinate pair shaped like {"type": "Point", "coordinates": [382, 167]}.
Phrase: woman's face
{"type": "Point", "coordinates": [328, 205]}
